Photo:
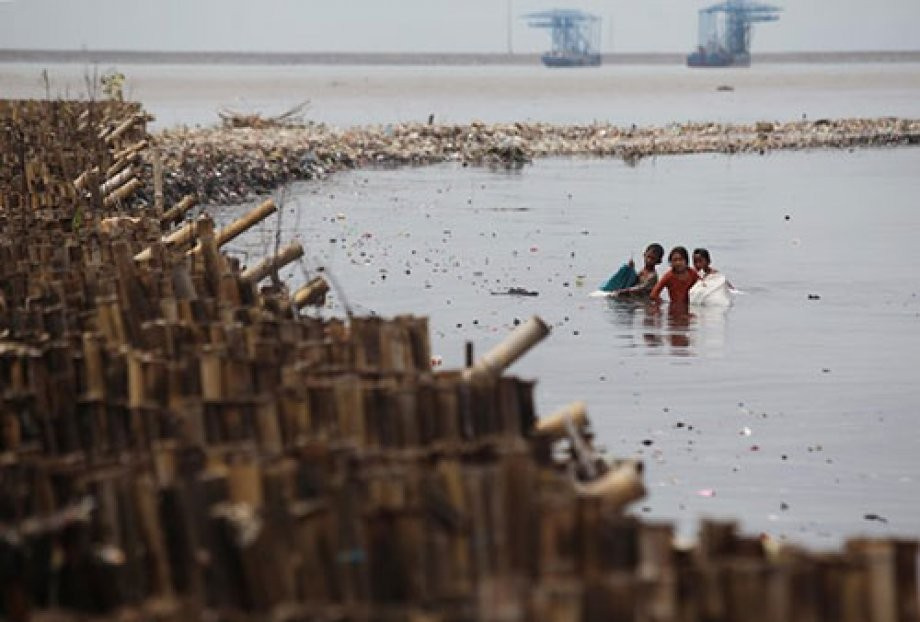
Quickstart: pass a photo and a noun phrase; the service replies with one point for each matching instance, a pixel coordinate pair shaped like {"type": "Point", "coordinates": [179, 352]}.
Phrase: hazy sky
{"type": "Point", "coordinates": [431, 25]}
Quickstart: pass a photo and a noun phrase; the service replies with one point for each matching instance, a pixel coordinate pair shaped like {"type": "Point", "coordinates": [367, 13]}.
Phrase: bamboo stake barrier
{"type": "Point", "coordinates": [177, 445]}
{"type": "Point", "coordinates": [515, 345]}
{"type": "Point", "coordinates": [291, 252]}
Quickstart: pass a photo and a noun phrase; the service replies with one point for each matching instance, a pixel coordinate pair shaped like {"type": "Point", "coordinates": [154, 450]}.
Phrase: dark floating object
{"type": "Point", "coordinates": [516, 291]}
{"type": "Point", "coordinates": [814, 297]}
{"type": "Point", "coordinates": [725, 88]}
{"type": "Point", "coordinates": [876, 517]}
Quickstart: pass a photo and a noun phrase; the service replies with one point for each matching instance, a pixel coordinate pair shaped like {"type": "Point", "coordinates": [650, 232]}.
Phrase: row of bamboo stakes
{"type": "Point", "coordinates": [179, 440]}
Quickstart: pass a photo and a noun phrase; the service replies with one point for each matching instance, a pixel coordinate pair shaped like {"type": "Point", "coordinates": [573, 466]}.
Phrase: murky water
{"type": "Point", "coordinates": [797, 414]}
{"type": "Point", "coordinates": [620, 94]}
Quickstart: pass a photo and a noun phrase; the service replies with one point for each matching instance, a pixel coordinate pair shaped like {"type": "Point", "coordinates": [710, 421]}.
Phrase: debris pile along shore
{"type": "Point", "coordinates": [231, 165]}
{"type": "Point", "coordinates": [179, 441]}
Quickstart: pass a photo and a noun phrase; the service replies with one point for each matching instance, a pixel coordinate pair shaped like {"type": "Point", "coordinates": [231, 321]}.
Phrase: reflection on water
{"type": "Point", "coordinates": [676, 330]}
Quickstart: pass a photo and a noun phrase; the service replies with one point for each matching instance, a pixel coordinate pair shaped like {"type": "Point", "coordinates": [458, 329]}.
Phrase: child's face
{"type": "Point", "coordinates": [651, 259]}
{"type": "Point", "coordinates": [678, 263]}
{"type": "Point", "coordinates": [699, 262]}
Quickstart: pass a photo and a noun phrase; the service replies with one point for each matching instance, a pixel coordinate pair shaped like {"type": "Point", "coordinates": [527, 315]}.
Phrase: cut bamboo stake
{"type": "Point", "coordinates": [123, 128]}
{"type": "Point", "coordinates": [81, 182]}
{"type": "Point", "coordinates": [177, 211]}
{"type": "Point", "coordinates": [118, 180]}
{"type": "Point", "coordinates": [157, 181]}
{"type": "Point", "coordinates": [131, 150]}
{"type": "Point", "coordinates": [180, 236]}
{"type": "Point", "coordinates": [313, 293]}
{"type": "Point", "coordinates": [240, 225]}
{"type": "Point", "coordinates": [618, 487]}
{"type": "Point", "coordinates": [118, 166]}
{"type": "Point", "coordinates": [499, 358]}
{"type": "Point", "coordinates": [123, 193]}
{"type": "Point", "coordinates": [289, 253]}
{"type": "Point", "coordinates": [556, 426]}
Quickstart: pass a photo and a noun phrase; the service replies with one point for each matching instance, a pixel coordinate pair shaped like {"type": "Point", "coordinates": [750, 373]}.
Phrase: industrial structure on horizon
{"type": "Point", "coordinates": [725, 33]}
{"type": "Point", "coordinates": [576, 37]}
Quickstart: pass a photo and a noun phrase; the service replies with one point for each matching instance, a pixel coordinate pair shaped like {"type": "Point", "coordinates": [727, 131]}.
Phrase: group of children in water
{"type": "Point", "coordinates": [627, 283]}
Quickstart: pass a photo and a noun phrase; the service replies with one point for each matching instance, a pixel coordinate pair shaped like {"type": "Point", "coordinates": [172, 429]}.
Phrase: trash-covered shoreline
{"type": "Point", "coordinates": [231, 165]}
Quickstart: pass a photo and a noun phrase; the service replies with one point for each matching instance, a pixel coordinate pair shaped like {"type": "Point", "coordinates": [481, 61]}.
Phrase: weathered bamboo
{"type": "Point", "coordinates": [621, 485]}
{"type": "Point", "coordinates": [311, 294]}
{"type": "Point", "coordinates": [157, 181]}
{"type": "Point", "coordinates": [291, 252]}
{"type": "Point", "coordinates": [177, 211]}
{"type": "Point", "coordinates": [131, 150]}
{"type": "Point", "coordinates": [81, 182]}
{"type": "Point", "coordinates": [119, 179]}
{"type": "Point", "coordinates": [240, 225]}
{"type": "Point", "coordinates": [179, 237]}
{"type": "Point", "coordinates": [556, 425]}
{"type": "Point", "coordinates": [500, 357]}
{"type": "Point", "coordinates": [124, 192]}
{"type": "Point", "coordinates": [123, 128]}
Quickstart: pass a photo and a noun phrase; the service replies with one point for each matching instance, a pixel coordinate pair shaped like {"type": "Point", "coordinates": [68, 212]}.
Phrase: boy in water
{"type": "Point", "coordinates": [678, 280]}
{"type": "Point", "coordinates": [628, 283]}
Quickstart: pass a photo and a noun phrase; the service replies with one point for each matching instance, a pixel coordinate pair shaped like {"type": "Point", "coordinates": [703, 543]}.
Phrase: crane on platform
{"type": "Point", "coordinates": [576, 37]}
{"type": "Point", "coordinates": [725, 33]}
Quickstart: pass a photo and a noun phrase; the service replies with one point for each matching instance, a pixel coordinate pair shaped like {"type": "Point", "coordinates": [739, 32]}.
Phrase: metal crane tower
{"type": "Point", "coordinates": [576, 37]}
{"type": "Point", "coordinates": [725, 33]}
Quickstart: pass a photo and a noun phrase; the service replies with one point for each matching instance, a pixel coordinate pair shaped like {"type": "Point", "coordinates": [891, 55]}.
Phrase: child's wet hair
{"type": "Point", "coordinates": [657, 249]}
{"type": "Point", "coordinates": [702, 252]}
{"type": "Point", "coordinates": [680, 250]}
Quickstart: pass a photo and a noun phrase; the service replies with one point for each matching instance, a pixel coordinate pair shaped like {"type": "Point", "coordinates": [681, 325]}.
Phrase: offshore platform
{"type": "Point", "coordinates": [725, 33]}
{"type": "Point", "coordinates": [576, 37]}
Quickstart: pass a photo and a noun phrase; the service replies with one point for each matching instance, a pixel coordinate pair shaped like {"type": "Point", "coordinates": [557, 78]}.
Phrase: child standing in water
{"type": "Point", "coordinates": [678, 280]}
{"type": "Point", "coordinates": [703, 267]}
{"type": "Point", "coordinates": [628, 283]}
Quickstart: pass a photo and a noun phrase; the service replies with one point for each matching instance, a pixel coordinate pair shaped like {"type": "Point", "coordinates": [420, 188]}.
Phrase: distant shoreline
{"type": "Point", "coordinates": [366, 58]}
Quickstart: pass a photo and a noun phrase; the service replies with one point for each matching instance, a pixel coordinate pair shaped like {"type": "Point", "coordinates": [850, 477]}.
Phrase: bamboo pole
{"type": "Point", "coordinates": [131, 150]}
{"type": "Point", "coordinates": [123, 193]}
{"type": "Point", "coordinates": [119, 179]}
{"type": "Point", "coordinates": [240, 225]}
{"type": "Point", "coordinates": [313, 293]}
{"type": "Point", "coordinates": [618, 487]}
{"type": "Point", "coordinates": [286, 255]}
{"type": "Point", "coordinates": [178, 237]}
{"type": "Point", "coordinates": [177, 211]}
{"type": "Point", "coordinates": [157, 181]}
{"type": "Point", "coordinates": [515, 345]}
{"type": "Point", "coordinates": [123, 128]}
{"type": "Point", "coordinates": [80, 182]}
{"type": "Point", "coordinates": [556, 425]}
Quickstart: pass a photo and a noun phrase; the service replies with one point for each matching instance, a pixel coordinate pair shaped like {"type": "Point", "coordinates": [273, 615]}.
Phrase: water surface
{"type": "Point", "coordinates": [344, 95]}
{"type": "Point", "coordinates": [798, 414]}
